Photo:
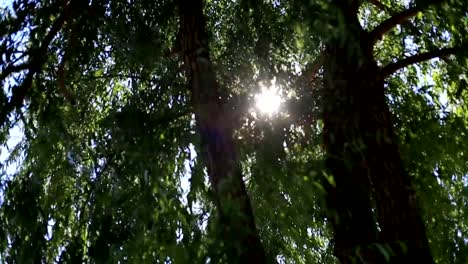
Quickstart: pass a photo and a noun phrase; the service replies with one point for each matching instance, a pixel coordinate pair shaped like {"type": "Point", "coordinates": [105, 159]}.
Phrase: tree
{"type": "Point", "coordinates": [139, 141]}
{"type": "Point", "coordinates": [363, 152]}
{"type": "Point", "coordinates": [362, 148]}
{"type": "Point", "coordinates": [218, 148]}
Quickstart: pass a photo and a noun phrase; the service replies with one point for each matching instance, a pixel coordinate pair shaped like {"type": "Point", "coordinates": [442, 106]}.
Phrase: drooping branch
{"type": "Point", "coordinates": [62, 70]}
{"type": "Point", "coordinates": [393, 67]}
{"type": "Point", "coordinates": [37, 59]}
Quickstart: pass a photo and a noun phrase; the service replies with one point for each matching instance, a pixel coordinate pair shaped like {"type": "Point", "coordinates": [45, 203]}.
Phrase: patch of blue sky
{"type": "Point", "coordinates": [5, 3]}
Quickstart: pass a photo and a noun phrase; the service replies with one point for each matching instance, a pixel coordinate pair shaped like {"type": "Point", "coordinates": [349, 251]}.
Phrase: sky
{"type": "Point", "coordinates": [4, 3]}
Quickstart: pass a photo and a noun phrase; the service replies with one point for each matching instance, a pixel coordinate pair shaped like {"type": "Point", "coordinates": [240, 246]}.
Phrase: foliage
{"type": "Point", "coordinates": [107, 167]}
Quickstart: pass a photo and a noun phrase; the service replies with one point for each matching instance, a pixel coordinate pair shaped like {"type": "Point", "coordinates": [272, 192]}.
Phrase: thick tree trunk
{"type": "Point", "coordinates": [349, 193]}
{"type": "Point", "coordinates": [240, 237]}
{"type": "Point", "coordinates": [363, 157]}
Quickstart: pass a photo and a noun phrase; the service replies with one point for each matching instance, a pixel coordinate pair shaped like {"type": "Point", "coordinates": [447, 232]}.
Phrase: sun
{"type": "Point", "coordinates": [268, 101]}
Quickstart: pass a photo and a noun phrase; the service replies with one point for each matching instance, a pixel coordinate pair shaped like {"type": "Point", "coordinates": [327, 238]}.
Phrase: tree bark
{"type": "Point", "coordinates": [363, 158]}
{"type": "Point", "coordinates": [240, 238]}
{"type": "Point", "coordinates": [349, 201]}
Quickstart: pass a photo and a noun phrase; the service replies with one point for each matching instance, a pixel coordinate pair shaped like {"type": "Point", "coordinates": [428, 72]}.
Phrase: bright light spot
{"type": "Point", "coordinates": [268, 101]}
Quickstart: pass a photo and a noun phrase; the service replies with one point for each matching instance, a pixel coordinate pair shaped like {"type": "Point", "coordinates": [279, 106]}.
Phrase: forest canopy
{"type": "Point", "coordinates": [220, 131]}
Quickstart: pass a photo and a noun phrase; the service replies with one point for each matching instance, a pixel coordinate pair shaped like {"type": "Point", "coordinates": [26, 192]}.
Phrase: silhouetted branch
{"type": "Point", "coordinates": [12, 69]}
{"type": "Point", "coordinates": [390, 23]}
{"type": "Point", "coordinates": [399, 18]}
{"type": "Point", "coordinates": [34, 65]}
{"type": "Point", "coordinates": [393, 67]}
{"type": "Point", "coordinates": [62, 70]}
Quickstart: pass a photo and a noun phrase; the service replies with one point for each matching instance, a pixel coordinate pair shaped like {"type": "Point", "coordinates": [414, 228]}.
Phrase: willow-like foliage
{"type": "Point", "coordinates": [102, 158]}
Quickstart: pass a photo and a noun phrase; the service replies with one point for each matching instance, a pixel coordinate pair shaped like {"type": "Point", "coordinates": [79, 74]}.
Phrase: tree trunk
{"type": "Point", "coordinates": [364, 159]}
{"type": "Point", "coordinates": [240, 238]}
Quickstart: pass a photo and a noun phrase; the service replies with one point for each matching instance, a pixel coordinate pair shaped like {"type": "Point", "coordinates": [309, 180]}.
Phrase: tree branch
{"type": "Point", "coordinates": [62, 70]}
{"type": "Point", "coordinates": [37, 59]}
{"type": "Point", "coordinates": [393, 67]}
{"type": "Point", "coordinates": [398, 18]}
{"type": "Point", "coordinates": [13, 68]}
{"type": "Point", "coordinates": [390, 23]}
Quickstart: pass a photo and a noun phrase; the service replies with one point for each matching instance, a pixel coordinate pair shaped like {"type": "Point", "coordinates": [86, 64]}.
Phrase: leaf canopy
{"type": "Point", "coordinates": [100, 158]}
